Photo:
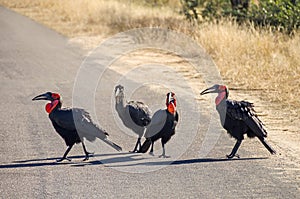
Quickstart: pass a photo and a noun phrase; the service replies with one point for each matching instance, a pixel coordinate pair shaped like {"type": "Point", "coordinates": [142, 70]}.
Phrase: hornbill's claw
{"type": "Point", "coordinates": [164, 156]}
{"type": "Point", "coordinates": [88, 155]}
{"type": "Point", "coordinates": [63, 158]}
{"type": "Point", "coordinates": [230, 156]}
{"type": "Point", "coordinates": [86, 158]}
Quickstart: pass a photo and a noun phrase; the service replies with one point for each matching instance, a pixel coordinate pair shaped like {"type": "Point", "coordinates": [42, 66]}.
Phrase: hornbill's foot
{"type": "Point", "coordinates": [230, 156]}
{"type": "Point", "coordinates": [90, 154]}
{"type": "Point", "coordinates": [151, 153]}
{"type": "Point", "coordinates": [134, 151]}
{"type": "Point", "coordinates": [164, 156]}
{"type": "Point", "coordinates": [63, 158]}
{"type": "Point", "coordinates": [87, 156]}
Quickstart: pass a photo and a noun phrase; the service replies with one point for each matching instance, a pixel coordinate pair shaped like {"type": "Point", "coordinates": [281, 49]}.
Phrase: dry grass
{"type": "Point", "coordinates": [93, 17]}
{"type": "Point", "coordinates": [252, 59]}
{"type": "Point", "coordinates": [247, 58]}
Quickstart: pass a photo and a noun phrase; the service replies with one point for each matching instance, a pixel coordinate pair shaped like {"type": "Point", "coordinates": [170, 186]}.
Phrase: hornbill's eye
{"type": "Point", "coordinates": [55, 96]}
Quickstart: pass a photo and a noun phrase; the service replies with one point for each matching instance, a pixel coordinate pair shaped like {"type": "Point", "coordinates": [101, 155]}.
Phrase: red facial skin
{"type": "Point", "coordinates": [221, 95]}
{"type": "Point", "coordinates": [55, 96]}
{"type": "Point", "coordinates": [51, 106]}
{"type": "Point", "coordinates": [171, 103]}
{"type": "Point", "coordinates": [172, 108]}
{"type": "Point", "coordinates": [170, 98]}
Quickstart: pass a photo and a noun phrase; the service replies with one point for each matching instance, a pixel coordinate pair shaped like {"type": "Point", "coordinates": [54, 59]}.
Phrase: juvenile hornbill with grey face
{"type": "Point", "coordinates": [73, 124]}
{"type": "Point", "coordinates": [135, 115]}
{"type": "Point", "coordinates": [238, 118]}
{"type": "Point", "coordinates": [162, 126]}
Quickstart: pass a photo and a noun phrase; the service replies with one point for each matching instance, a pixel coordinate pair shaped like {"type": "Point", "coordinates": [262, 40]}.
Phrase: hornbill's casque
{"type": "Point", "coordinates": [64, 119]}
{"type": "Point", "coordinates": [238, 118]}
{"type": "Point", "coordinates": [135, 115]}
{"type": "Point", "coordinates": [162, 126]}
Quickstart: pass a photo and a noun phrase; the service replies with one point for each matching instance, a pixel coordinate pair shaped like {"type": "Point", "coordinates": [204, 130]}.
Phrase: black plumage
{"type": "Point", "coordinates": [135, 115]}
{"type": "Point", "coordinates": [139, 113]}
{"type": "Point", "coordinates": [162, 127]}
{"type": "Point", "coordinates": [238, 118]}
{"type": "Point", "coordinates": [73, 124]}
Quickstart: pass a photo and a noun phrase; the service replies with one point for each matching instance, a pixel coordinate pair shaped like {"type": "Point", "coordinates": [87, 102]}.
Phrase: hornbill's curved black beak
{"type": "Point", "coordinates": [213, 89]}
{"type": "Point", "coordinates": [45, 96]}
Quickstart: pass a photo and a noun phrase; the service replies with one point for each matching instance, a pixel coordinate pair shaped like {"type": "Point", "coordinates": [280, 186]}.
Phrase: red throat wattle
{"type": "Point", "coordinates": [220, 97]}
{"type": "Point", "coordinates": [172, 108]}
{"type": "Point", "coordinates": [50, 106]}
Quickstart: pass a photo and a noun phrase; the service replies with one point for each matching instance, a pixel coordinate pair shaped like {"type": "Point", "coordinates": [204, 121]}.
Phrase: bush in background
{"type": "Point", "coordinates": [283, 15]}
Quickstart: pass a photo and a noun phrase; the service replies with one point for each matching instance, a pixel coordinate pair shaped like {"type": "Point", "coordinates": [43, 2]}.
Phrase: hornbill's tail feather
{"type": "Point", "coordinates": [113, 145]}
{"type": "Point", "coordinates": [145, 146]}
{"type": "Point", "coordinates": [270, 149]}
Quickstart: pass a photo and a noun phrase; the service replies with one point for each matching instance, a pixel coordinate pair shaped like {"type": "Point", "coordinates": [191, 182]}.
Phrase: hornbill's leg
{"type": "Point", "coordinates": [151, 150]}
{"type": "Point", "coordinates": [87, 154]}
{"type": "Point", "coordinates": [138, 143]}
{"type": "Point", "coordinates": [163, 155]}
{"type": "Point", "coordinates": [65, 154]}
{"type": "Point", "coordinates": [234, 150]}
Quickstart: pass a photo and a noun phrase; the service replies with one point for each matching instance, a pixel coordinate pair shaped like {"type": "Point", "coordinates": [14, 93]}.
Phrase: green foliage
{"type": "Point", "coordinates": [283, 15]}
{"type": "Point", "coordinates": [189, 8]}
{"type": "Point", "coordinates": [215, 9]}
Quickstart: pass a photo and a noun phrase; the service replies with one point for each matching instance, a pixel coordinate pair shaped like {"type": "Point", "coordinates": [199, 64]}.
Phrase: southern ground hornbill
{"type": "Point", "coordinates": [135, 115]}
{"type": "Point", "coordinates": [162, 126]}
{"type": "Point", "coordinates": [64, 119]}
{"type": "Point", "coordinates": [238, 118]}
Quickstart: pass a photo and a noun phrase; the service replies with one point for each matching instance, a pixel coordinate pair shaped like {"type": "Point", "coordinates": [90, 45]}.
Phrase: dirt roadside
{"type": "Point", "coordinates": [282, 125]}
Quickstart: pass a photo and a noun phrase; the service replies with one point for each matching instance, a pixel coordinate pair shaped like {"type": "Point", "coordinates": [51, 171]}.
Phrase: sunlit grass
{"type": "Point", "coordinates": [247, 58]}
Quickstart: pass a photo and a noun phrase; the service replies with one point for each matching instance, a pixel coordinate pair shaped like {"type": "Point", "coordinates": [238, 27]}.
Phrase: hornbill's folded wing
{"type": "Point", "coordinates": [86, 127]}
{"type": "Point", "coordinates": [64, 119]}
{"type": "Point", "coordinates": [89, 130]}
{"type": "Point", "coordinates": [139, 113]}
{"type": "Point", "coordinates": [244, 111]}
{"type": "Point", "coordinates": [157, 123]}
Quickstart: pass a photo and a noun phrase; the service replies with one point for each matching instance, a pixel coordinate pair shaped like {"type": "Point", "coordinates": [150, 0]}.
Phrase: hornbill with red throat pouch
{"type": "Point", "coordinates": [73, 124]}
{"type": "Point", "coordinates": [162, 126]}
{"type": "Point", "coordinates": [238, 118]}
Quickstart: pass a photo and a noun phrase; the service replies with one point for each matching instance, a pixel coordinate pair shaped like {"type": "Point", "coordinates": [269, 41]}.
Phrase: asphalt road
{"type": "Point", "coordinates": [33, 60]}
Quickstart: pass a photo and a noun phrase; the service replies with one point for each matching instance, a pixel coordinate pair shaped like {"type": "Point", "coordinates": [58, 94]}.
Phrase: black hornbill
{"type": "Point", "coordinates": [238, 118]}
{"type": "Point", "coordinates": [73, 124]}
{"type": "Point", "coordinates": [162, 126]}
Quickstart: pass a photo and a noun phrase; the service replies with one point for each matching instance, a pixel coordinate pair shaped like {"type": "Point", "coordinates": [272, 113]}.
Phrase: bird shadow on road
{"type": "Point", "coordinates": [120, 159]}
{"type": "Point", "coordinates": [40, 162]}
{"type": "Point", "coordinates": [190, 161]}
{"type": "Point", "coordinates": [125, 157]}
{"type": "Point", "coordinates": [203, 160]}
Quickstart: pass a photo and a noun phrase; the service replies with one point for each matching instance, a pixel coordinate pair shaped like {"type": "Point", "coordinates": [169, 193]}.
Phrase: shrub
{"type": "Point", "coordinates": [283, 15]}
